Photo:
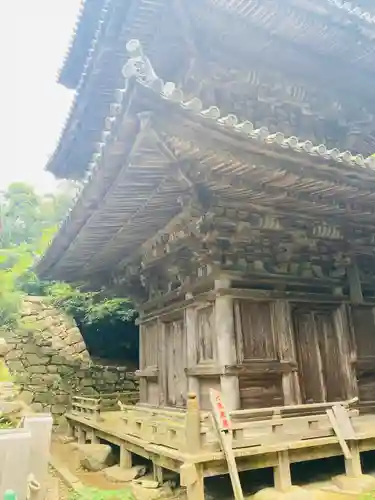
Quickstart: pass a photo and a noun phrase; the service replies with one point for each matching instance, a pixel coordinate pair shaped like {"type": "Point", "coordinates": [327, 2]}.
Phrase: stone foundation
{"type": "Point", "coordinates": [48, 358]}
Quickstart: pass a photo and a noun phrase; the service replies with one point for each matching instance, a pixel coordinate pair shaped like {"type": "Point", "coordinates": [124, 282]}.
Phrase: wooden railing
{"type": "Point", "coordinates": [93, 407]}
{"type": "Point", "coordinates": [193, 431]}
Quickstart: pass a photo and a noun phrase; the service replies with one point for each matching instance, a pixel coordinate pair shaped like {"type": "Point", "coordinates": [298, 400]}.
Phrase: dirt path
{"type": "Point", "coordinates": [66, 455]}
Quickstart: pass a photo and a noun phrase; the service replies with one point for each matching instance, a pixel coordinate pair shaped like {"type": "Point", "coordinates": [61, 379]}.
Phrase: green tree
{"type": "Point", "coordinates": [26, 214]}
{"type": "Point", "coordinates": [29, 222]}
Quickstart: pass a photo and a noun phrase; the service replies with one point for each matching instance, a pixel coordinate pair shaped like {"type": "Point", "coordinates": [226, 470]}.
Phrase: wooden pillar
{"type": "Point", "coordinates": [226, 346]}
{"type": "Point", "coordinates": [158, 473]}
{"type": "Point", "coordinates": [162, 363]}
{"type": "Point", "coordinates": [142, 381]}
{"type": "Point", "coordinates": [192, 477]}
{"type": "Point", "coordinates": [126, 460]}
{"type": "Point", "coordinates": [191, 346]}
{"type": "Point", "coordinates": [283, 333]}
{"type": "Point", "coordinates": [81, 435]}
{"type": "Point", "coordinates": [342, 331]}
{"type": "Point", "coordinates": [353, 465]}
{"type": "Point", "coordinates": [70, 429]}
{"type": "Point", "coordinates": [193, 425]}
{"type": "Point", "coordinates": [94, 437]}
{"type": "Point", "coordinates": [282, 475]}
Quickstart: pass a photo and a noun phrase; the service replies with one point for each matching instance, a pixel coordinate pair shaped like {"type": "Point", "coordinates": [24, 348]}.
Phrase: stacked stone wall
{"type": "Point", "coordinates": [48, 358]}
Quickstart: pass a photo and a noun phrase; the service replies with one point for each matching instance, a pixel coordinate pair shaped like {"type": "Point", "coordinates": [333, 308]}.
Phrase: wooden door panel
{"type": "Point", "coordinates": [258, 340]}
{"type": "Point", "coordinates": [320, 359]}
{"type": "Point", "coordinates": [175, 364]}
{"type": "Point", "coordinates": [363, 320]}
{"type": "Point", "coordinates": [308, 356]}
{"type": "Point", "coordinates": [330, 356]}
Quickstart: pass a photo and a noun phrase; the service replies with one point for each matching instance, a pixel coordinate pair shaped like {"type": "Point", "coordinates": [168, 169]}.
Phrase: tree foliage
{"type": "Point", "coordinates": [25, 215]}
{"type": "Point", "coordinates": [28, 222]}
{"type": "Point", "coordinates": [90, 307]}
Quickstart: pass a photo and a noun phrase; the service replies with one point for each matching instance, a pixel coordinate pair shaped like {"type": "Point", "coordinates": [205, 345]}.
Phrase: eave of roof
{"type": "Point", "coordinates": [90, 13]}
{"type": "Point", "coordinates": [138, 11]}
{"type": "Point", "coordinates": [194, 109]}
{"type": "Point", "coordinates": [353, 10]}
{"type": "Point", "coordinates": [81, 43]}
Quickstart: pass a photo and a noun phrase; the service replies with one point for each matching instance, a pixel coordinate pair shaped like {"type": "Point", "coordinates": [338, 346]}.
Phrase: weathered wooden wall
{"type": "Point", "coordinates": [256, 342]}
{"type": "Point", "coordinates": [285, 353]}
{"type": "Point", "coordinates": [149, 361]}
{"type": "Point", "coordinates": [175, 363]}
{"type": "Point", "coordinates": [363, 324]}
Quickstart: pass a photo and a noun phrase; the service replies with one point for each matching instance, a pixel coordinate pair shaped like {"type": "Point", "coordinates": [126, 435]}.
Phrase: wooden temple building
{"type": "Point", "coordinates": [228, 188]}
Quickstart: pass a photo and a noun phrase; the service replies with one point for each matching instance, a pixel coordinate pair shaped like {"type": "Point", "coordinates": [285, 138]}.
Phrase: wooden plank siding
{"type": "Point", "coordinates": [363, 323]}
{"type": "Point", "coordinates": [256, 343]}
{"type": "Point", "coordinates": [149, 363]}
{"type": "Point", "coordinates": [323, 350]}
{"type": "Point", "coordinates": [175, 346]}
{"type": "Point", "coordinates": [286, 354]}
{"type": "Point", "coordinates": [206, 342]}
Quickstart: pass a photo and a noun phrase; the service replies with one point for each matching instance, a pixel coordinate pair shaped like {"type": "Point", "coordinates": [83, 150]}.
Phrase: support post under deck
{"type": "Point", "coordinates": [126, 461]}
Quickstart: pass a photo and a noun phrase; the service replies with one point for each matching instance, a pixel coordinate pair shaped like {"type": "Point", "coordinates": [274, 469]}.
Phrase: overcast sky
{"type": "Point", "coordinates": [34, 37]}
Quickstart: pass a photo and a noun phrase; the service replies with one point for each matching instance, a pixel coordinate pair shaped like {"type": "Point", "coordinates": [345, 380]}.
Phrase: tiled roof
{"type": "Point", "coordinates": [83, 38]}
{"type": "Point", "coordinates": [88, 61]}
{"type": "Point", "coordinates": [353, 10]}
{"type": "Point", "coordinates": [139, 70]}
{"type": "Point", "coordinates": [138, 67]}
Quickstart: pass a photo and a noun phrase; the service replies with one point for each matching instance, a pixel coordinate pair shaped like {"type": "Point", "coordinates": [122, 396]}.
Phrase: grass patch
{"type": "Point", "coordinates": [95, 494]}
{"type": "Point", "coordinates": [5, 423]}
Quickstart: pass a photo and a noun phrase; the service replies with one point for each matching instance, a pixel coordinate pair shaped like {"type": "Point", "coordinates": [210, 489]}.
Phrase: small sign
{"type": "Point", "coordinates": [220, 413]}
{"type": "Point", "coordinates": [225, 435]}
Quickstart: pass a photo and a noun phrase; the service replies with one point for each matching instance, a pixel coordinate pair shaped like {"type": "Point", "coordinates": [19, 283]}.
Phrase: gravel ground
{"type": "Point", "coordinates": [57, 489]}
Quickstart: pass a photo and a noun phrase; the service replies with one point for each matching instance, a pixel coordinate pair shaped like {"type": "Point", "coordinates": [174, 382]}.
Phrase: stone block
{"type": "Point", "coordinates": [110, 378]}
{"type": "Point", "coordinates": [13, 354]}
{"type": "Point", "coordinates": [62, 399]}
{"type": "Point", "coordinates": [65, 370]}
{"type": "Point", "coordinates": [145, 493]}
{"type": "Point", "coordinates": [27, 397]}
{"type": "Point", "coordinates": [37, 369]}
{"type": "Point", "coordinates": [294, 493]}
{"type": "Point", "coordinates": [355, 485]}
{"type": "Point", "coordinates": [74, 336]}
{"type": "Point", "coordinates": [41, 342]}
{"type": "Point", "coordinates": [86, 382]}
{"type": "Point", "coordinates": [21, 378]}
{"type": "Point", "coordinates": [118, 474]}
{"type": "Point", "coordinates": [48, 351]}
{"type": "Point", "coordinates": [37, 407]}
{"type": "Point", "coordinates": [30, 349]}
{"type": "Point", "coordinates": [58, 360]}
{"type": "Point", "coordinates": [44, 397]}
{"type": "Point", "coordinates": [16, 366]}
{"type": "Point", "coordinates": [57, 409]}
{"type": "Point", "coordinates": [34, 359]}
{"type": "Point", "coordinates": [79, 347]}
{"type": "Point", "coordinates": [52, 369]}
{"type": "Point", "coordinates": [95, 457]}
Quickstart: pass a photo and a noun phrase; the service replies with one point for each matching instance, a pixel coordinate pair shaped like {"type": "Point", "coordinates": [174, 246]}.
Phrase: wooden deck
{"type": "Point", "coordinates": [186, 441]}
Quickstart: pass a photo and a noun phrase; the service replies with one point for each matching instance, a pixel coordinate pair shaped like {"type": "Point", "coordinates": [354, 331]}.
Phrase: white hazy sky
{"type": "Point", "coordinates": [34, 37]}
